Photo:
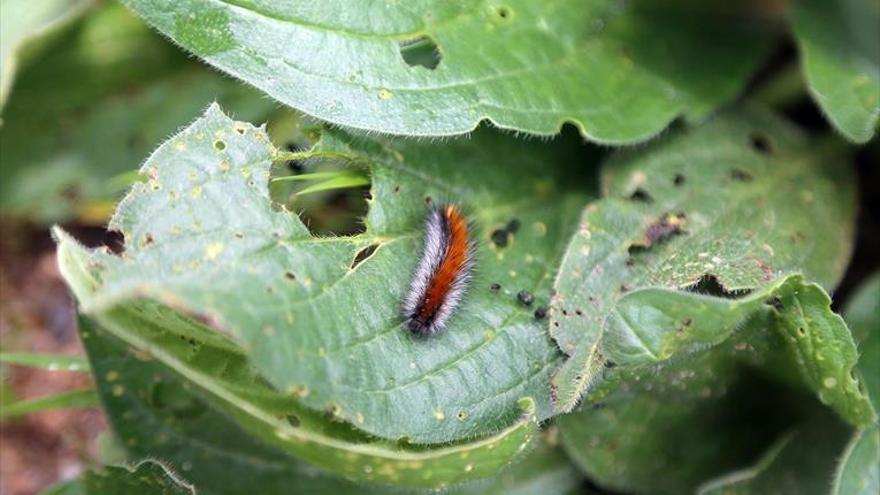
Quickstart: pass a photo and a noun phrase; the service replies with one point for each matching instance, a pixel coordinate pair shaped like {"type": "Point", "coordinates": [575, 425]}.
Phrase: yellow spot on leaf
{"type": "Point", "coordinates": [213, 250]}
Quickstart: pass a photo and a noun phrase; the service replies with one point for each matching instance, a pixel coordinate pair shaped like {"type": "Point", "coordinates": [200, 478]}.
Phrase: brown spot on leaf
{"type": "Point", "coordinates": [740, 175]}
{"type": "Point", "coordinates": [766, 269]}
{"type": "Point", "coordinates": [667, 226]}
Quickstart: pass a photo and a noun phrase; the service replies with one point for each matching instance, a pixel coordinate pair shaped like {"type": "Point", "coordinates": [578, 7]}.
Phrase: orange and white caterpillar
{"type": "Point", "coordinates": [443, 273]}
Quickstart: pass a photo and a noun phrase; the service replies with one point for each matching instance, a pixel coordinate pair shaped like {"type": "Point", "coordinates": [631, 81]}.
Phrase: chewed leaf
{"type": "Point", "coordinates": [319, 317]}
{"type": "Point", "coordinates": [183, 379]}
{"type": "Point", "coordinates": [841, 61]}
{"type": "Point", "coordinates": [146, 477]}
{"type": "Point", "coordinates": [689, 227]}
{"type": "Point", "coordinates": [619, 71]}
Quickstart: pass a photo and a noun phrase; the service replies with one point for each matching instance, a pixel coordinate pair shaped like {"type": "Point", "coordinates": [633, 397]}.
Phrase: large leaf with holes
{"type": "Point", "coordinates": [820, 456]}
{"type": "Point", "coordinates": [859, 466]}
{"type": "Point", "coordinates": [708, 412]}
{"type": "Point", "coordinates": [24, 29]}
{"type": "Point", "coordinates": [721, 210]}
{"type": "Point", "coordinates": [839, 42]}
{"type": "Point", "coordinates": [619, 71]}
{"type": "Point", "coordinates": [65, 141]}
{"type": "Point", "coordinates": [161, 405]}
{"type": "Point", "coordinates": [319, 316]}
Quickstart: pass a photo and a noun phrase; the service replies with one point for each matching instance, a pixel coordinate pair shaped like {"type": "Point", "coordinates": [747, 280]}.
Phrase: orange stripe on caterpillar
{"type": "Point", "coordinates": [442, 275]}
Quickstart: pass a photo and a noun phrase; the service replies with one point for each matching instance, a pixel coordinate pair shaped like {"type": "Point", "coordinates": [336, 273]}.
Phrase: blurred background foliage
{"type": "Point", "coordinates": [87, 91]}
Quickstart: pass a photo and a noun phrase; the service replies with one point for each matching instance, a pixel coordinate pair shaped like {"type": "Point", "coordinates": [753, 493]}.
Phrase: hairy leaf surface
{"type": "Point", "coordinates": [839, 44]}
{"type": "Point", "coordinates": [322, 322]}
{"type": "Point", "coordinates": [619, 71]}
{"type": "Point", "coordinates": [66, 142]}
{"type": "Point", "coordinates": [665, 263]}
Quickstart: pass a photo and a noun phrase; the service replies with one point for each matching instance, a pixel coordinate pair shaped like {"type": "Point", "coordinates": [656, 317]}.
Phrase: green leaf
{"type": "Point", "coordinates": [862, 310]}
{"type": "Point", "coordinates": [146, 477]}
{"type": "Point", "coordinates": [65, 138]}
{"type": "Point", "coordinates": [863, 316]}
{"type": "Point", "coordinates": [320, 316]}
{"type": "Point", "coordinates": [800, 462]}
{"type": "Point", "coordinates": [809, 460]}
{"type": "Point", "coordinates": [841, 61]}
{"type": "Point", "coordinates": [23, 26]}
{"type": "Point", "coordinates": [339, 182]}
{"type": "Point", "coordinates": [204, 360]}
{"type": "Point", "coordinates": [149, 477]}
{"type": "Point", "coordinates": [858, 471]}
{"type": "Point", "coordinates": [687, 225]}
{"type": "Point", "coordinates": [667, 433]}
{"type": "Point", "coordinates": [545, 470]}
{"type": "Point", "coordinates": [69, 487]}
{"type": "Point", "coordinates": [64, 400]}
{"type": "Point", "coordinates": [619, 71]}
{"type": "Point", "coordinates": [51, 362]}
{"type": "Point", "coordinates": [158, 412]}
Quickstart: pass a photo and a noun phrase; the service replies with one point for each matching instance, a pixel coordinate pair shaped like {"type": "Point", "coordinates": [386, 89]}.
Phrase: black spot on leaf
{"type": "Point", "coordinates": [525, 297]}
{"type": "Point", "coordinates": [641, 196]}
{"type": "Point", "coordinates": [761, 143]}
{"type": "Point", "coordinates": [678, 180]}
{"type": "Point", "coordinates": [541, 312]}
{"type": "Point", "coordinates": [775, 303]}
{"type": "Point", "coordinates": [499, 237]}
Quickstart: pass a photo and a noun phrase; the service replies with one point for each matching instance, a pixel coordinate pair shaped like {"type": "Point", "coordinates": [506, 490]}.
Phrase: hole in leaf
{"type": "Point", "coordinates": [219, 145]}
{"type": "Point", "coordinates": [709, 285]}
{"type": "Point", "coordinates": [678, 180]}
{"type": "Point", "coordinates": [740, 175]}
{"type": "Point", "coordinates": [172, 398]}
{"type": "Point", "coordinates": [293, 421]}
{"type": "Point", "coordinates": [289, 276]}
{"type": "Point", "coordinates": [504, 12]}
{"type": "Point", "coordinates": [295, 166]}
{"type": "Point", "coordinates": [761, 143]}
{"type": "Point", "coordinates": [641, 196]}
{"type": "Point", "coordinates": [421, 51]}
{"type": "Point", "coordinates": [363, 254]}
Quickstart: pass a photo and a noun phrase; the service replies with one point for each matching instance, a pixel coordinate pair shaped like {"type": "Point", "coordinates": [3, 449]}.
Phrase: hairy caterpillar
{"type": "Point", "coordinates": [443, 273]}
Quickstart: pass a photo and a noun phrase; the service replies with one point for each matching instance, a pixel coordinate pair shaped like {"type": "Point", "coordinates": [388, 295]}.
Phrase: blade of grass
{"type": "Point", "coordinates": [72, 399]}
{"type": "Point", "coordinates": [317, 176]}
{"type": "Point", "coordinates": [51, 362]}
{"type": "Point", "coordinates": [341, 182]}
